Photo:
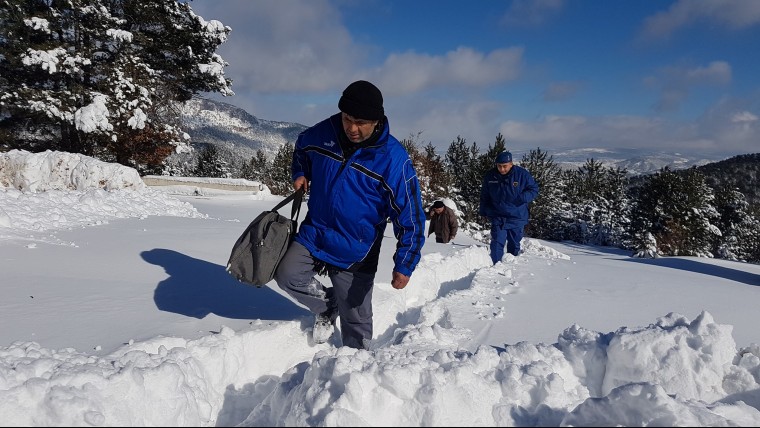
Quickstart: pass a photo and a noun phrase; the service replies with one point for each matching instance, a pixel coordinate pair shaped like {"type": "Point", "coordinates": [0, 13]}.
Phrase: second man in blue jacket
{"type": "Point", "coordinates": [504, 197]}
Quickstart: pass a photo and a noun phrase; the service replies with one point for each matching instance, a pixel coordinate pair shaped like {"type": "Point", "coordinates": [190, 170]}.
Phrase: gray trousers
{"type": "Point", "coordinates": [350, 294]}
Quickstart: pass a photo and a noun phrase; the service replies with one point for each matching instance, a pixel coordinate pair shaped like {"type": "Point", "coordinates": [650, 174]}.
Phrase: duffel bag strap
{"type": "Point", "coordinates": [296, 197]}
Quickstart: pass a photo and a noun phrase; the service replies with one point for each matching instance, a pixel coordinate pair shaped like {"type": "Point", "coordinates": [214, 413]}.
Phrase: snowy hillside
{"type": "Point", "coordinates": [225, 125]}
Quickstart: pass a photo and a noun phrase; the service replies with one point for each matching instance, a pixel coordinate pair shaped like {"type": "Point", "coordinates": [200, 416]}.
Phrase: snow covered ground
{"type": "Point", "coordinates": [117, 311]}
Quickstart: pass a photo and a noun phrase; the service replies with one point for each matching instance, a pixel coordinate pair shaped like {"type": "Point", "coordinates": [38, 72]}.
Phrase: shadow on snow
{"type": "Point", "coordinates": [197, 288]}
{"type": "Point", "coordinates": [703, 268]}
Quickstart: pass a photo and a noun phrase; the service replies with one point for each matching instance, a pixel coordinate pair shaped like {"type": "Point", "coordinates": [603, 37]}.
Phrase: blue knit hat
{"type": "Point", "coordinates": [503, 157]}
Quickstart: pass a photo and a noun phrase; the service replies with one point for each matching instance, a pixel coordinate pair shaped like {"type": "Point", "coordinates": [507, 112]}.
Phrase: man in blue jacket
{"type": "Point", "coordinates": [507, 189]}
{"type": "Point", "coordinates": [359, 176]}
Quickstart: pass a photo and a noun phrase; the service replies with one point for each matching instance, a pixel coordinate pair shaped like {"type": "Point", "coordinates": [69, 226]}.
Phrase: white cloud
{"type": "Point", "coordinates": [476, 121]}
{"type": "Point", "coordinates": [734, 15]}
{"type": "Point", "coordinates": [729, 124]}
{"type": "Point", "coordinates": [723, 129]}
{"type": "Point", "coordinates": [744, 116]}
{"type": "Point", "coordinates": [718, 72]}
{"type": "Point", "coordinates": [411, 72]}
{"type": "Point", "coordinates": [676, 82]}
{"type": "Point", "coordinates": [286, 46]}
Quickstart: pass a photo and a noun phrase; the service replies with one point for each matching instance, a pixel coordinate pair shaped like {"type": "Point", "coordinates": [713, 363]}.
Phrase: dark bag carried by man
{"type": "Point", "coordinates": [262, 245]}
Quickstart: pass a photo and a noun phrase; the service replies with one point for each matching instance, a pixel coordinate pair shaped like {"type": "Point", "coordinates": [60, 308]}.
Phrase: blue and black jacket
{"type": "Point", "coordinates": [506, 197]}
{"type": "Point", "coordinates": [351, 199]}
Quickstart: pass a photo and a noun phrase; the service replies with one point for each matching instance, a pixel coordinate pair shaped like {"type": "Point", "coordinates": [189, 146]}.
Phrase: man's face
{"type": "Point", "coordinates": [438, 210]}
{"type": "Point", "coordinates": [504, 167]}
{"type": "Point", "coordinates": [357, 130]}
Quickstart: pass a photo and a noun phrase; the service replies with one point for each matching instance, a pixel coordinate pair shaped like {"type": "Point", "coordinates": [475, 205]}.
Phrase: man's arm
{"type": "Point", "coordinates": [300, 166]}
{"type": "Point", "coordinates": [453, 225]}
{"type": "Point", "coordinates": [408, 218]}
{"type": "Point", "coordinates": [531, 188]}
{"type": "Point", "coordinates": [484, 198]}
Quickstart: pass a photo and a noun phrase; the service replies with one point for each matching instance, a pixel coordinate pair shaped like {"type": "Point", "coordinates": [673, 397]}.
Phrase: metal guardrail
{"type": "Point", "coordinates": [209, 183]}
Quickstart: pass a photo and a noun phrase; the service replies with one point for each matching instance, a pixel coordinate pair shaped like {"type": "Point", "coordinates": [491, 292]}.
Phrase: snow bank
{"type": "Point", "coordinates": [52, 170]}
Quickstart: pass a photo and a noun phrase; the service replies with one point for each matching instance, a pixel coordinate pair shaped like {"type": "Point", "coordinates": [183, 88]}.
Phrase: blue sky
{"type": "Point", "coordinates": [677, 76]}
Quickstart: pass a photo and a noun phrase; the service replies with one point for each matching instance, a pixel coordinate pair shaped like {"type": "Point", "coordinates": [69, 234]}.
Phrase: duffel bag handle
{"type": "Point", "coordinates": [296, 197]}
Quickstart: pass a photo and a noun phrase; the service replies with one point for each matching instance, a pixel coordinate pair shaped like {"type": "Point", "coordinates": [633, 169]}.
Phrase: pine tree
{"type": "Point", "coordinates": [439, 182]}
{"type": "Point", "coordinates": [462, 164]}
{"type": "Point", "coordinates": [486, 159]}
{"type": "Point", "coordinates": [647, 247]}
{"type": "Point", "coordinates": [740, 231]}
{"type": "Point", "coordinates": [677, 210]}
{"type": "Point", "coordinates": [210, 163]}
{"type": "Point", "coordinates": [699, 215]}
{"type": "Point", "coordinates": [753, 242]}
{"type": "Point", "coordinates": [103, 78]}
{"type": "Point", "coordinates": [47, 64]}
{"type": "Point", "coordinates": [256, 168]}
{"type": "Point", "coordinates": [279, 176]}
{"type": "Point", "coordinates": [615, 221]}
{"type": "Point", "coordinates": [545, 211]}
{"type": "Point", "coordinates": [179, 46]}
{"type": "Point", "coordinates": [598, 204]}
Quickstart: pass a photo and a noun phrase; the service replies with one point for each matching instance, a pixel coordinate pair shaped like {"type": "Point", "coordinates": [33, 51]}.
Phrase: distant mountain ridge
{"type": "Point", "coordinates": [235, 130]}
{"type": "Point", "coordinates": [635, 161]}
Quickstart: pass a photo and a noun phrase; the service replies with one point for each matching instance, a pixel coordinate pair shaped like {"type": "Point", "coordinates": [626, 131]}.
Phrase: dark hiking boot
{"type": "Point", "coordinates": [324, 326]}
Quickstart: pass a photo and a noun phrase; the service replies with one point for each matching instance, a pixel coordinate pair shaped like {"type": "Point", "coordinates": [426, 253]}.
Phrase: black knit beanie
{"type": "Point", "coordinates": [362, 100]}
